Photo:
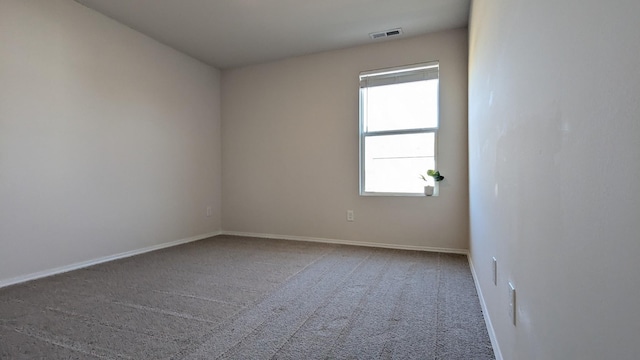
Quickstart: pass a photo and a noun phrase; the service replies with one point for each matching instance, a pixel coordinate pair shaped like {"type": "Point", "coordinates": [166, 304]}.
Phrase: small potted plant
{"type": "Point", "coordinates": [435, 174]}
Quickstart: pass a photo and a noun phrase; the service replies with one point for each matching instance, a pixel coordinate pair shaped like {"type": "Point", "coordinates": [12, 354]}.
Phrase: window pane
{"type": "Point", "coordinates": [393, 163]}
{"type": "Point", "coordinates": [402, 106]}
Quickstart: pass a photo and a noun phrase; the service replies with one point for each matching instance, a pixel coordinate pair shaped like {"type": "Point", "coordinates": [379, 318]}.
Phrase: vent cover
{"type": "Point", "coordinates": [386, 33]}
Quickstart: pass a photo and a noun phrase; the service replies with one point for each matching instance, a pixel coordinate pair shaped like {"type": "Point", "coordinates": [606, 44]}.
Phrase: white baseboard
{"type": "Point", "coordinates": [83, 264]}
{"type": "Point", "coordinates": [485, 312]}
{"type": "Point", "coordinates": [347, 242]}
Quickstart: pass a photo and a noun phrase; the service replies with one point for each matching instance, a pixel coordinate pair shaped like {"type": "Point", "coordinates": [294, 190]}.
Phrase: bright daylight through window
{"type": "Point", "coordinates": [398, 128]}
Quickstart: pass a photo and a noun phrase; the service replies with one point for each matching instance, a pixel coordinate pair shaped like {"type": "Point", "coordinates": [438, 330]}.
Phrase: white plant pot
{"type": "Point", "coordinates": [428, 190]}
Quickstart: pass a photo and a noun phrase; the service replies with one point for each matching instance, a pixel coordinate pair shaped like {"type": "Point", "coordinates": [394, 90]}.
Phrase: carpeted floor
{"type": "Point", "coordinates": [243, 298]}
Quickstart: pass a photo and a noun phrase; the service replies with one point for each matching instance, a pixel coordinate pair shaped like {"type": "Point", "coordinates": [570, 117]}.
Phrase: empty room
{"type": "Point", "coordinates": [355, 179]}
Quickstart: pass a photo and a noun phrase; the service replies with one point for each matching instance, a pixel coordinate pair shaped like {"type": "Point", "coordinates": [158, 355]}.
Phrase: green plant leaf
{"type": "Point", "coordinates": [435, 174]}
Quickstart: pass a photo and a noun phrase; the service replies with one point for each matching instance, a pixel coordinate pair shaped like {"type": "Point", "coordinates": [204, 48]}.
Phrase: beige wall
{"type": "Point", "coordinates": [290, 148]}
{"type": "Point", "coordinates": [554, 153]}
{"type": "Point", "coordinates": [109, 141]}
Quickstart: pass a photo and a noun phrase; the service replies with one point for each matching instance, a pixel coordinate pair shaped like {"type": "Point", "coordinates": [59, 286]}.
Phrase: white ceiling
{"type": "Point", "coordinates": [231, 33]}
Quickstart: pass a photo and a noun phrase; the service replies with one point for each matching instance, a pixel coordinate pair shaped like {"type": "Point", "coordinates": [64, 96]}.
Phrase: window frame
{"type": "Point", "coordinates": [414, 68]}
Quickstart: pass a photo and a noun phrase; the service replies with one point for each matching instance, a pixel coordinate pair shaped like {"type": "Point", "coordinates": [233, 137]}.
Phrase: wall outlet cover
{"type": "Point", "coordinates": [494, 263]}
{"type": "Point", "coordinates": [512, 303]}
{"type": "Point", "coordinates": [350, 215]}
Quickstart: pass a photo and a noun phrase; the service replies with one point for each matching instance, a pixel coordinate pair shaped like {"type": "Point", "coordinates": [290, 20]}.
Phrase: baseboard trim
{"type": "Point", "coordinates": [485, 312]}
{"type": "Point", "coordinates": [84, 264]}
{"type": "Point", "coordinates": [347, 242]}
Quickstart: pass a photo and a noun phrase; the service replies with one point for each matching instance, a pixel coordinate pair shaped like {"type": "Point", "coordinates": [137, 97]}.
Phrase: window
{"type": "Point", "coordinates": [398, 128]}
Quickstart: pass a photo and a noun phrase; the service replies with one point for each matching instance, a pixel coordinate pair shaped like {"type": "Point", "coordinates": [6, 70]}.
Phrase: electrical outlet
{"type": "Point", "coordinates": [512, 303]}
{"type": "Point", "coordinates": [350, 216]}
{"type": "Point", "coordinates": [495, 271]}
{"type": "Point", "coordinates": [209, 211]}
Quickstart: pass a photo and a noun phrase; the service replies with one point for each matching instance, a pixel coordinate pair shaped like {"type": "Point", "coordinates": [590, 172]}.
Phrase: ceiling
{"type": "Point", "coordinates": [232, 33]}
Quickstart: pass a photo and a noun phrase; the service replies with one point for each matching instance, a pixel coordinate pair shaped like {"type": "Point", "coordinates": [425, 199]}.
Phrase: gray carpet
{"type": "Point", "coordinates": [243, 298]}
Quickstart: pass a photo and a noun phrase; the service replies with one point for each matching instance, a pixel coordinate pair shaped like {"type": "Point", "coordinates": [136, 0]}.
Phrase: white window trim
{"type": "Point", "coordinates": [361, 143]}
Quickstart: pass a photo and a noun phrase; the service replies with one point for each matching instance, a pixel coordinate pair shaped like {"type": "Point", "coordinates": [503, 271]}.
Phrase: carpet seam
{"type": "Point", "coordinates": [253, 304]}
{"type": "Point", "coordinates": [396, 309]}
{"type": "Point", "coordinates": [273, 315]}
{"type": "Point", "coordinates": [437, 310]}
{"type": "Point", "coordinates": [324, 303]}
{"type": "Point", "coordinates": [34, 335]}
{"type": "Point", "coordinates": [356, 313]}
{"type": "Point", "coordinates": [186, 351]}
{"type": "Point", "coordinates": [163, 312]}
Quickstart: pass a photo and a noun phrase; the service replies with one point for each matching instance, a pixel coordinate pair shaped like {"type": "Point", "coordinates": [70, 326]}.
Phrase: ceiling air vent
{"type": "Point", "coordinates": [386, 33]}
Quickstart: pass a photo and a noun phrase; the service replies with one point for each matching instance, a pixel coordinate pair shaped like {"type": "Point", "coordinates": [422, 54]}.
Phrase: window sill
{"type": "Point", "coordinates": [397, 194]}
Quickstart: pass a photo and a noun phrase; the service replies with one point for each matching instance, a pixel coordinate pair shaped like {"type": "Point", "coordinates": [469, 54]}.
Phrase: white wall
{"type": "Point", "coordinates": [554, 152]}
{"type": "Point", "coordinates": [290, 148]}
{"type": "Point", "coordinates": [109, 141]}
